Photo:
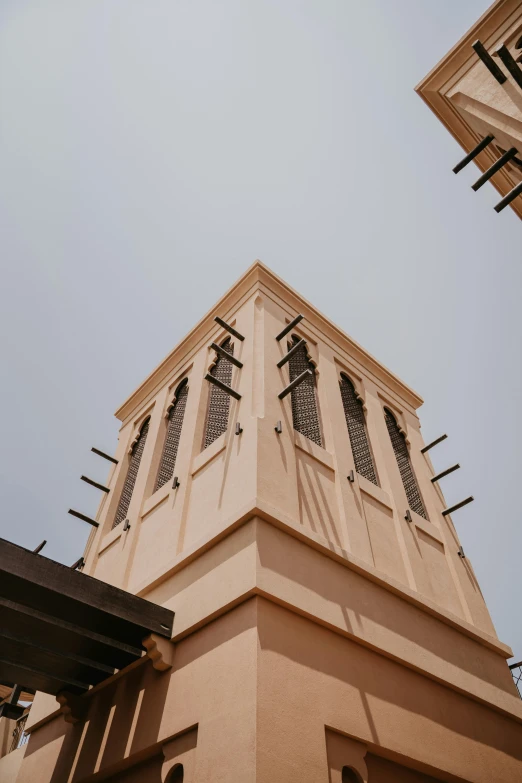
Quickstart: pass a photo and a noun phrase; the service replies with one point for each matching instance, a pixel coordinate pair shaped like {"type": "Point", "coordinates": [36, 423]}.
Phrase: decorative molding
{"type": "Point", "coordinates": [357, 384]}
{"type": "Point", "coordinates": [160, 651]}
{"type": "Point", "coordinates": [137, 429]}
{"type": "Point", "coordinates": [72, 707]}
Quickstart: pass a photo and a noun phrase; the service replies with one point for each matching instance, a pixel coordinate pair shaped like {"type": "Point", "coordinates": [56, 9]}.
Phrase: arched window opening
{"type": "Point", "coordinates": [219, 401]}
{"type": "Point", "coordinates": [402, 456]}
{"type": "Point", "coordinates": [355, 421]}
{"type": "Point", "coordinates": [350, 776]}
{"type": "Point", "coordinates": [305, 413]}
{"type": "Point", "coordinates": [176, 774]}
{"type": "Point", "coordinates": [174, 425]}
{"type": "Point", "coordinates": [132, 472]}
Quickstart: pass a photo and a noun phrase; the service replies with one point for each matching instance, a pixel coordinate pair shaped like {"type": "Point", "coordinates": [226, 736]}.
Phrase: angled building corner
{"type": "Point", "coordinates": [272, 490]}
{"type": "Point", "coordinates": [476, 92]}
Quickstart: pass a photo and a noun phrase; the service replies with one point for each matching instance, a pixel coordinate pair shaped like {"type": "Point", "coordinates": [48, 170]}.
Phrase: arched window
{"type": "Point", "coordinates": [174, 425]}
{"type": "Point", "coordinates": [350, 776]}
{"type": "Point", "coordinates": [402, 456]}
{"type": "Point", "coordinates": [219, 401]}
{"type": "Point", "coordinates": [176, 774]}
{"type": "Point", "coordinates": [354, 414]}
{"type": "Point", "coordinates": [304, 397]}
{"type": "Point", "coordinates": [132, 472]}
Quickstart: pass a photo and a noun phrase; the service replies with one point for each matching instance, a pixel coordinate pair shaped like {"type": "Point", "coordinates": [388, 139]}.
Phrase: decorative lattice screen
{"type": "Point", "coordinates": [354, 413]}
{"type": "Point", "coordinates": [170, 449]}
{"type": "Point", "coordinates": [132, 472]}
{"type": "Point", "coordinates": [219, 401]}
{"type": "Point", "coordinates": [304, 398]}
{"type": "Point", "coordinates": [402, 455]}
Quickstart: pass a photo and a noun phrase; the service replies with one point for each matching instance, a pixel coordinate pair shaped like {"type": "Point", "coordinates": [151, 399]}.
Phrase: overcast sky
{"type": "Point", "coordinates": [150, 151]}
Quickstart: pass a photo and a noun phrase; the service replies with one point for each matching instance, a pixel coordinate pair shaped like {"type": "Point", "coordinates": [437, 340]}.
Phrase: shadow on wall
{"type": "Point", "coordinates": [351, 669]}
{"type": "Point", "coordinates": [381, 608]}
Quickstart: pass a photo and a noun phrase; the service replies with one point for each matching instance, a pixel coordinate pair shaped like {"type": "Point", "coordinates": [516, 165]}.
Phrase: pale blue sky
{"type": "Point", "coordinates": [149, 152]}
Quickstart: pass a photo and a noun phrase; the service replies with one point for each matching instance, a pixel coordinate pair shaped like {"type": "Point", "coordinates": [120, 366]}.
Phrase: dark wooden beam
{"type": "Point", "coordinates": [291, 386]}
{"type": "Point", "coordinates": [508, 198]}
{"type": "Point", "coordinates": [445, 473]}
{"type": "Point", "coordinates": [24, 621]}
{"type": "Point", "coordinates": [79, 515]}
{"type": "Point", "coordinates": [223, 386]}
{"type": "Point", "coordinates": [489, 62]}
{"type": "Point", "coordinates": [41, 655]}
{"type": "Point", "coordinates": [42, 681]}
{"type": "Point", "coordinates": [97, 600]}
{"type": "Point", "coordinates": [95, 484]}
{"type": "Point", "coordinates": [226, 355]}
{"type": "Point", "coordinates": [497, 165]}
{"type": "Point", "coordinates": [473, 154]}
{"type": "Point", "coordinates": [104, 455]}
{"type": "Point", "coordinates": [433, 443]}
{"type": "Point", "coordinates": [514, 69]}
{"type": "Point", "coordinates": [290, 353]}
{"type": "Point", "coordinates": [289, 327]}
{"type": "Point", "coordinates": [229, 328]}
{"type": "Point", "coordinates": [457, 506]}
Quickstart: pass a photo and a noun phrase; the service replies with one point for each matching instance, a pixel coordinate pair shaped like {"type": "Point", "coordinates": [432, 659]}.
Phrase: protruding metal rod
{"type": "Point", "coordinates": [239, 428]}
{"type": "Point", "coordinates": [445, 473]}
{"type": "Point", "coordinates": [39, 547]}
{"type": "Point", "coordinates": [433, 443]}
{"type": "Point", "coordinates": [175, 483]}
{"type": "Point", "coordinates": [291, 352]}
{"type": "Point", "coordinates": [221, 351]}
{"type": "Point", "coordinates": [473, 154]}
{"type": "Point", "coordinates": [489, 62]}
{"type": "Point", "coordinates": [79, 564]}
{"type": "Point", "coordinates": [95, 484]}
{"type": "Point", "coordinates": [517, 190]}
{"type": "Point", "coordinates": [278, 428]}
{"type": "Point", "coordinates": [291, 386]}
{"type": "Point", "coordinates": [104, 455]}
{"type": "Point", "coordinates": [233, 393]}
{"type": "Point", "coordinates": [351, 476]}
{"type": "Point", "coordinates": [74, 513]}
{"type": "Point", "coordinates": [289, 327]}
{"type": "Point", "coordinates": [497, 165]}
{"type": "Point", "coordinates": [229, 328]}
{"type": "Point", "coordinates": [510, 63]}
{"type": "Point", "coordinates": [407, 516]}
{"type": "Point", "coordinates": [460, 553]}
{"type": "Point", "coordinates": [457, 506]}
{"type": "Point", "coordinates": [126, 525]}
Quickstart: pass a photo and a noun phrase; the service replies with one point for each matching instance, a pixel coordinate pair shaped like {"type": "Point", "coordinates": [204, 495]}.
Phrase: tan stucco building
{"type": "Point", "coordinates": [476, 92]}
{"type": "Point", "coordinates": [328, 627]}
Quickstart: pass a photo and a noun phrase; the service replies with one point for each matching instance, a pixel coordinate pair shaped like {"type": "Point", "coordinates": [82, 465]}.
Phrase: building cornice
{"type": "Point", "coordinates": [260, 278]}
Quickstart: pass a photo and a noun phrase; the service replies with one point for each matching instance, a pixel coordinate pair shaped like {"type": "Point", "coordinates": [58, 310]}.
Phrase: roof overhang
{"type": "Point", "coordinates": [63, 630]}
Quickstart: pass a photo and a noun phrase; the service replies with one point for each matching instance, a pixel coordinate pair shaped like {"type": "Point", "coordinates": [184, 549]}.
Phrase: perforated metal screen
{"type": "Point", "coordinates": [354, 413]}
{"type": "Point", "coordinates": [170, 448]}
{"type": "Point", "coordinates": [219, 401]}
{"type": "Point", "coordinates": [132, 472]}
{"type": "Point", "coordinates": [409, 481]}
{"type": "Point", "coordinates": [304, 398]}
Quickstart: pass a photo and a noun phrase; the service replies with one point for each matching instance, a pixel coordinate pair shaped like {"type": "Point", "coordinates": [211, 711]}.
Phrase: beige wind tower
{"type": "Point", "coordinates": [476, 92]}
{"type": "Point", "coordinates": [271, 489]}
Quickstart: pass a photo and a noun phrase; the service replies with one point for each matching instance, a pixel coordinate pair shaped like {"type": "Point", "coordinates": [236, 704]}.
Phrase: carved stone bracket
{"type": "Point", "coordinates": [72, 707]}
{"type": "Point", "coordinates": [160, 651]}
